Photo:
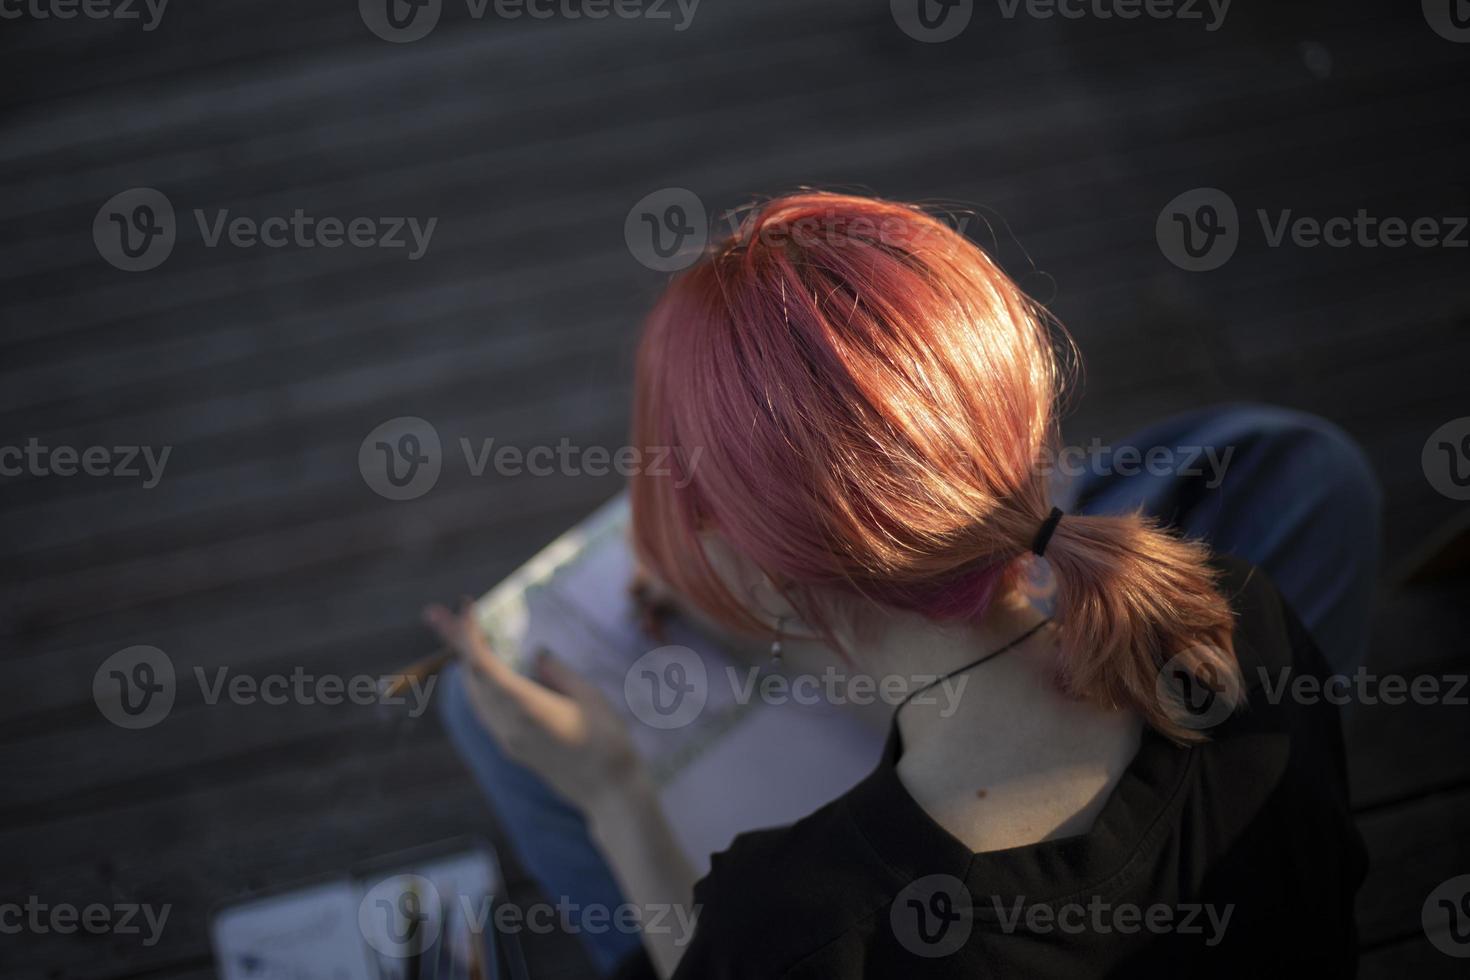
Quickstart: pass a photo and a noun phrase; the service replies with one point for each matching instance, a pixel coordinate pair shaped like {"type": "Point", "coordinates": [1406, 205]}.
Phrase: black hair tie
{"type": "Point", "coordinates": [1044, 533]}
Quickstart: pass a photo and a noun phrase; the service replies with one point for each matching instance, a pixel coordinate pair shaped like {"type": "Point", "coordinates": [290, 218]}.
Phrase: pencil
{"type": "Point", "coordinates": [418, 671]}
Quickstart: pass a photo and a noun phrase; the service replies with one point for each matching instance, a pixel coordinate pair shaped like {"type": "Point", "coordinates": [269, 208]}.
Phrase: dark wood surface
{"type": "Point", "coordinates": [263, 549]}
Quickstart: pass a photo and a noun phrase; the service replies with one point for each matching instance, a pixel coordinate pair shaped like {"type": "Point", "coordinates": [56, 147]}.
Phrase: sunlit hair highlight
{"type": "Point", "coordinates": [857, 398]}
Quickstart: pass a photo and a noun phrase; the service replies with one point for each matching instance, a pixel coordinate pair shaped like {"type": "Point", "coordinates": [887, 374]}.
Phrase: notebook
{"type": "Point", "coordinates": [731, 763]}
{"type": "Point", "coordinates": [420, 914]}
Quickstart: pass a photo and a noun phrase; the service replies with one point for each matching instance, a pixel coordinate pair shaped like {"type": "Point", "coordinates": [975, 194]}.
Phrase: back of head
{"type": "Point", "coordinates": [857, 399]}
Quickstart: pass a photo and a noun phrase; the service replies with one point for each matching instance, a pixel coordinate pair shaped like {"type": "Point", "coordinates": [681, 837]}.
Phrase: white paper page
{"type": "Point", "coordinates": [309, 934]}
{"type": "Point", "coordinates": [779, 764]}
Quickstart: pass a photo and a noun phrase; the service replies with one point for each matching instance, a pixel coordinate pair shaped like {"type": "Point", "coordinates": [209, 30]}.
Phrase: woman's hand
{"type": "Point", "coordinates": [565, 731]}
{"type": "Point", "coordinates": [561, 728]}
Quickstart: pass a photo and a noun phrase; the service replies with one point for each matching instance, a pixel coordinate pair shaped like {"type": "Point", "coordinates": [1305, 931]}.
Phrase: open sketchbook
{"type": "Point", "coordinates": [736, 762]}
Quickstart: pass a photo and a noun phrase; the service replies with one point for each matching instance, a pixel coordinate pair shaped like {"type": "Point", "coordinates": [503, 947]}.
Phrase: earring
{"type": "Point", "coordinates": [776, 641]}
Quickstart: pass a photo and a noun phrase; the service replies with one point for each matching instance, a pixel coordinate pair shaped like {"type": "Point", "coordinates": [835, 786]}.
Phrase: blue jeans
{"type": "Point", "coordinates": [1288, 492]}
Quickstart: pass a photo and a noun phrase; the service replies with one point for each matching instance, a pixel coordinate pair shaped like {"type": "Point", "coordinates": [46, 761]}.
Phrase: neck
{"type": "Point", "coordinates": [917, 651]}
{"type": "Point", "coordinates": [1006, 759]}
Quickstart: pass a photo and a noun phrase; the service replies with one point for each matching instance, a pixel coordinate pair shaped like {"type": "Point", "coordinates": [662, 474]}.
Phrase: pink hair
{"type": "Point", "coordinates": [857, 397]}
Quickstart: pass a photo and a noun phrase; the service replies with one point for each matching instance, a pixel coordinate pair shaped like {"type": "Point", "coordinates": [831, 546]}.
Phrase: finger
{"type": "Point", "coordinates": [556, 674]}
{"type": "Point", "coordinates": [505, 690]}
{"type": "Point", "coordinates": [450, 627]}
{"type": "Point", "coordinates": [462, 634]}
{"type": "Point", "coordinates": [488, 672]}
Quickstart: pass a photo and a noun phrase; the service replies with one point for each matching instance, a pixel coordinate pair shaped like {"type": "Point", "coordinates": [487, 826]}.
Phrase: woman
{"type": "Point", "coordinates": [872, 405]}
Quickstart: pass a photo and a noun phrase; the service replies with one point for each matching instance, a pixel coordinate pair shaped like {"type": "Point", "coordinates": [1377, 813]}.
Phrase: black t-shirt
{"type": "Point", "coordinates": [1239, 854]}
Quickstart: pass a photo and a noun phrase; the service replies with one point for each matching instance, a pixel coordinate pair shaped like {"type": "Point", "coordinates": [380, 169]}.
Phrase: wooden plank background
{"type": "Point", "coordinates": [263, 549]}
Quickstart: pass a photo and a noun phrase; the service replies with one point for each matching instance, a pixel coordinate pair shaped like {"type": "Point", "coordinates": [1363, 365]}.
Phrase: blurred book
{"type": "Point", "coordinates": [422, 914]}
{"type": "Point", "coordinates": [730, 762]}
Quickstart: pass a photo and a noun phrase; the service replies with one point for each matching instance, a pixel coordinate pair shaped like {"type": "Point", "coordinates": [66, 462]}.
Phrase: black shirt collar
{"type": "Point", "coordinates": [912, 845]}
